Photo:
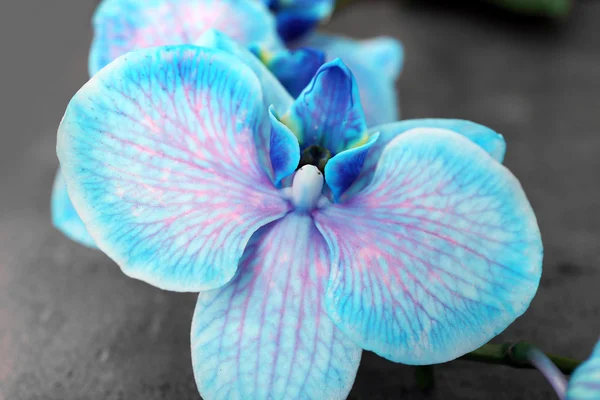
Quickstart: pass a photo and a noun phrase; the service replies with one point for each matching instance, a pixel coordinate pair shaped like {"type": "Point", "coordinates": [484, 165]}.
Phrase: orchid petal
{"type": "Point", "coordinates": [328, 111]}
{"type": "Point", "coordinates": [343, 169]}
{"type": "Point", "coordinates": [284, 149]}
{"type": "Point", "coordinates": [64, 216]}
{"type": "Point", "coordinates": [585, 381]}
{"type": "Point", "coordinates": [376, 64]}
{"type": "Point", "coordinates": [266, 334]}
{"type": "Point", "coordinates": [293, 68]}
{"type": "Point", "coordinates": [384, 53]}
{"type": "Point", "coordinates": [273, 92]}
{"type": "Point", "coordinates": [158, 155]}
{"type": "Point", "coordinates": [484, 137]}
{"type": "Point", "coordinates": [122, 26]}
{"type": "Point", "coordinates": [439, 254]}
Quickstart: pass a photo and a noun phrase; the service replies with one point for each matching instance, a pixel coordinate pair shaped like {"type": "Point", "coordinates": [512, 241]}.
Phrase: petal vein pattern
{"type": "Point", "coordinates": [436, 256]}
{"type": "Point", "coordinates": [157, 152]}
{"type": "Point", "coordinates": [122, 26]}
{"type": "Point", "coordinates": [266, 334]}
{"type": "Point", "coordinates": [274, 94]}
{"type": "Point", "coordinates": [484, 137]}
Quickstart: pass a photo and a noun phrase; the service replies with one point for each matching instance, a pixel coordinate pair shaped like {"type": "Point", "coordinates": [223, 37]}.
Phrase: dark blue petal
{"type": "Point", "coordinates": [328, 112]}
{"type": "Point", "coordinates": [295, 18]}
{"type": "Point", "coordinates": [343, 169]}
{"type": "Point", "coordinates": [284, 149]}
{"type": "Point", "coordinates": [375, 63]}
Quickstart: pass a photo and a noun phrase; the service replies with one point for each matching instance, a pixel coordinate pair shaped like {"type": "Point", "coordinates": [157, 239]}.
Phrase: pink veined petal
{"type": "Point", "coordinates": [266, 334]}
{"type": "Point", "coordinates": [158, 155]}
{"type": "Point", "coordinates": [275, 95]}
{"type": "Point", "coordinates": [440, 253]}
{"type": "Point", "coordinates": [121, 26]}
{"type": "Point", "coordinates": [484, 137]}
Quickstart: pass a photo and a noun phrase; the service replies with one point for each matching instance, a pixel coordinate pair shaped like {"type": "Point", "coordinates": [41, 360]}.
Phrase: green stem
{"type": "Point", "coordinates": [425, 377]}
{"type": "Point", "coordinates": [510, 354]}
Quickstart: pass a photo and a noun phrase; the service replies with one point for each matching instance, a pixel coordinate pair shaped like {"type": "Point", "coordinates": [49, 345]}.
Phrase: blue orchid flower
{"type": "Point", "coordinates": [121, 26]}
{"type": "Point", "coordinates": [585, 381]}
{"type": "Point", "coordinates": [182, 162]}
{"type": "Point", "coordinates": [295, 18]}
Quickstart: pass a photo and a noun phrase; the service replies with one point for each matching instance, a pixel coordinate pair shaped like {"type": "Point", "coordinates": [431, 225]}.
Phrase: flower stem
{"type": "Point", "coordinates": [525, 355]}
{"type": "Point", "coordinates": [425, 377]}
{"type": "Point", "coordinates": [505, 354]}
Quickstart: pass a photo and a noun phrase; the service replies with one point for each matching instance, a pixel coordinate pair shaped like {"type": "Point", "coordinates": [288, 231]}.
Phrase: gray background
{"type": "Point", "coordinates": [72, 326]}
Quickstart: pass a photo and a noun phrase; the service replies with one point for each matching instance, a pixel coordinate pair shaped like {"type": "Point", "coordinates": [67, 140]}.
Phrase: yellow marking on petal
{"type": "Point", "coordinates": [359, 142]}
{"type": "Point", "coordinates": [265, 56]}
{"type": "Point", "coordinates": [288, 120]}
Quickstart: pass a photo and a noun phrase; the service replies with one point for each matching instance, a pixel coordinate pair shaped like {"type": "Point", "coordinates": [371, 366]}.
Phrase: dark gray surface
{"type": "Point", "coordinates": [72, 326]}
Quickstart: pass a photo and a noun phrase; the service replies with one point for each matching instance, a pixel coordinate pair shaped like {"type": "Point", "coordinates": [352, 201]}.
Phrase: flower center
{"type": "Point", "coordinates": [315, 155]}
{"type": "Point", "coordinates": [307, 187]}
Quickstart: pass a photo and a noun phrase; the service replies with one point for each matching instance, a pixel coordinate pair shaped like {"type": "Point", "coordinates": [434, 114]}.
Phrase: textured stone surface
{"type": "Point", "coordinates": [72, 326]}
